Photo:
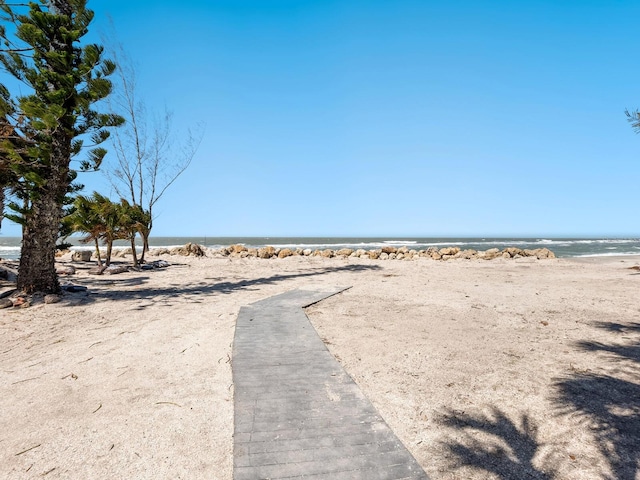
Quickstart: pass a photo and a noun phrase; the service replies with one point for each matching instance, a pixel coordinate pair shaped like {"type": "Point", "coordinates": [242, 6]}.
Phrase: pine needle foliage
{"type": "Point", "coordinates": [55, 122]}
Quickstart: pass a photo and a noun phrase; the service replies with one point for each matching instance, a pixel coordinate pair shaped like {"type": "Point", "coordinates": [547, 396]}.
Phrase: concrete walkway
{"type": "Point", "coordinates": [297, 412]}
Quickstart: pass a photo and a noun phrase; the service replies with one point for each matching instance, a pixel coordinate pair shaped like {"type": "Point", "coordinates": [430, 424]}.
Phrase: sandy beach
{"type": "Point", "coordinates": [499, 369]}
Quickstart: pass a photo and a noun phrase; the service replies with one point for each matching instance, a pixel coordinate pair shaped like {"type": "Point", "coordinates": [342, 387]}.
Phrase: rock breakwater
{"type": "Point", "coordinates": [384, 253]}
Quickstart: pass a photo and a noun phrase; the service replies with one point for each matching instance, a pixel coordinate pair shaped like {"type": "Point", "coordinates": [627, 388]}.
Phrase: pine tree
{"type": "Point", "coordinates": [42, 49]}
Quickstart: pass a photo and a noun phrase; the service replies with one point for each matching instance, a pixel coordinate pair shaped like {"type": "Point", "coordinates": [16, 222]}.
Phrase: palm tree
{"type": "Point", "coordinates": [133, 220]}
{"type": "Point", "coordinates": [112, 221]}
{"type": "Point", "coordinates": [85, 217]}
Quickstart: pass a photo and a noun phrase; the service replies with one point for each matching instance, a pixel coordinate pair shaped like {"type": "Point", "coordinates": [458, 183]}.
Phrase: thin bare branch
{"type": "Point", "coordinates": [148, 157]}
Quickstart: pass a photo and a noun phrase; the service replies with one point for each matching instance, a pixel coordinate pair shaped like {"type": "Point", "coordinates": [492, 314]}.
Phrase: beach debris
{"type": "Point", "coordinates": [81, 256]}
{"type": "Point", "coordinates": [115, 269]}
{"type": "Point", "coordinates": [10, 270]}
{"type": "Point", "coordinates": [28, 449]}
{"type": "Point", "coordinates": [99, 270]}
{"type": "Point", "coordinates": [52, 298]}
{"type": "Point", "coordinates": [74, 288]}
{"type": "Point", "coordinates": [21, 302]}
{"type": "Point", "coordinates": [7, 292]}
{"type": "Point", "coordinates": [169, 403]}
{"type": "Point", "coordinates": [65, 270]}
{"type": "Point", "coordinates": [155, 264]}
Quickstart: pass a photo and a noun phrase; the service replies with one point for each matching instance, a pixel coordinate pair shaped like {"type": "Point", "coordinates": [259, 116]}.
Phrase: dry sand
{"type": "Point", "coordinates": [507, 369]}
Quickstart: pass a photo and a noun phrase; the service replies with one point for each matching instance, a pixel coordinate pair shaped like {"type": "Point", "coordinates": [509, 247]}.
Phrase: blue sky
{"type": "Point", "coordinates": [379, 118]}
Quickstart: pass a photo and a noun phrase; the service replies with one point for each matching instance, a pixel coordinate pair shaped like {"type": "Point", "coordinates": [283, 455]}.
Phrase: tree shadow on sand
{"type": "Point", "coordinates": [506, 448]}
{"type": "Point", "coordinates": [611, 408]}
{"type": "Point", "coordinates": [138, 288]}
{"type": "Point", "coordinates": [607, 404]}
{"type": "Point", "coordinates": [610, 405]}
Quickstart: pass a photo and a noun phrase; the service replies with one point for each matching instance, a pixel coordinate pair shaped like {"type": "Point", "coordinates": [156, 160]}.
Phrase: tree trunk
{"type": "Point", "coordinates": [37, 271]}
{"type": "Point", "coordinates": [2, 198]}
{"type": "Point", "coordinates": [98, 253]}
{"type": "Point", "coordinates": [145, 245]}
{"type": "Point", "coordinates": [109, 252]}
{"type": "Point", "coordinates": [133, 250]}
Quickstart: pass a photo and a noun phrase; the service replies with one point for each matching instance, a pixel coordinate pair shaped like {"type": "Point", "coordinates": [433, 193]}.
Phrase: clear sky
{"type": "Point", "coordinates": [393, 118]}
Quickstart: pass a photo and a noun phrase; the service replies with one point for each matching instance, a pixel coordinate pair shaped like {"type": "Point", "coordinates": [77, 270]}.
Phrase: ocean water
{"type": "Point", "coordinates": [562, 247]}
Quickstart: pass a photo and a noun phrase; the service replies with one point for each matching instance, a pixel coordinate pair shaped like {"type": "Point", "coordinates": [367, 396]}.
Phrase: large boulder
{"type": "Point", "coordinates": [513, 252]}
{"type": "Point", "coordinates": [374, 254]}
{"type": "Point", "coordinates": [327, 253]}
{"type": "Point", "coordinates": [65, 270]}
{"type": "Point", "coordinates": [189, 249]}
{"type": "Point", "coordinates": [81, 256]}
{"type": "Point", "coordinates": [115, 269]}
{"type": "Point", "coordinates": [344, 252]}
{"type": "Point", "coordinates": [237, 249]}
{"type": "Point", "coordinates": [51, 298]}
{"type": "Point", "coordinates": [266, 252]}
{"type": "Point", "coordinates": [489, 254]}
{"type": "Point", "coordinates": [195, 250]}
{"type": "Point", "coordinates": [285, 252]}
{"type": "Point", "coordinates": [389, 249]}
{"type": "Point", "coordinates": [449, 251]}
{"type": "Point", "coordinates": [545, 253]}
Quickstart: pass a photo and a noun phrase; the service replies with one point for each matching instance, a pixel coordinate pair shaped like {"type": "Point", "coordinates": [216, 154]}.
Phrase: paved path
{"type": "Point", "coordinates": [297, 412]}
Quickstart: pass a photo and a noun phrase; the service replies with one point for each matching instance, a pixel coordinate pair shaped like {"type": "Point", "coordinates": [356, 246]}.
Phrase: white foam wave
{"type": "Point", "coordinates": [609, 254]}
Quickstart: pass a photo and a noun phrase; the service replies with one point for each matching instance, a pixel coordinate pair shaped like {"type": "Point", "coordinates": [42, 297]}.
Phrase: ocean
{"type": "Point", "coordinates": [562, 247]}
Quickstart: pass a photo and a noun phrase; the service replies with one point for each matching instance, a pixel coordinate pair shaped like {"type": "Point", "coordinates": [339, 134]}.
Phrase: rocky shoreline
{"type": "Point", "coordinates": [384, 253]}
{"type": "Point", "coordinates": [8, 270]}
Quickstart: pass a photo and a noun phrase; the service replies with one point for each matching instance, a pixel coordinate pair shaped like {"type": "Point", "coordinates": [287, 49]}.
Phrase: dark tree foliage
{"type": "Point", "coordinates": [43, 130]}
{"type": "Point", "coordinates": [633, 117]}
